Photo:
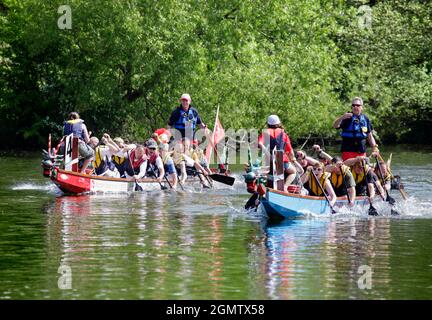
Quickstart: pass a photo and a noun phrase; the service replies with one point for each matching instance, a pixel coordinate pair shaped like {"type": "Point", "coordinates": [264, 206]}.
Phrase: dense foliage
{"type": "Point", "coordinates": [124, 64]}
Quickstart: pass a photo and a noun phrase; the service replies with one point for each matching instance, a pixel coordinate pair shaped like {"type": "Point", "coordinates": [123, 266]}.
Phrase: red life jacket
{"type": "Point", "coordinates": [277, 139]}
{"type": "Point", "coordinates": [153, 157]}
{"type": "Point", "coordinates": [135, 164]}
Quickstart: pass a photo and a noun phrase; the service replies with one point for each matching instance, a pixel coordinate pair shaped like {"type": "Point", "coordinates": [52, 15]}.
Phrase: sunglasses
{"type": "Point", "coordinates": [152, 148]}
{"type": "Point", "coordinates": [356, 105]}
{"type": "Point", "coordinates": [317, 169]}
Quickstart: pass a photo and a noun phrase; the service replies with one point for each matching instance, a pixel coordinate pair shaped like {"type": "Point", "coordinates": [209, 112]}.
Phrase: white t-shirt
{"type": "Point", "coordinates": [105, 153]}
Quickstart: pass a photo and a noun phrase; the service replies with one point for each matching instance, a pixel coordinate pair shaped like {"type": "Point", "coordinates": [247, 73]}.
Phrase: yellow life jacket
{"type": "Point", "coordinates": [74, 121]}
{"type": "Point", "coordinates": [197, 155]}
{"type": "Point", "coordinates": [118, 160]}
{"type": "Point", "coordinates": [313, 186]}
{"type": "Point", "coordinates": [98, 158]}
{"type": "Point", "coordinates": [337, 179]}
{"type": "Point", "coordinates": [388, 177]}
{"type": "Point", "coordinates": [166, 158]}
{"type": "Point", "coordinates": [358, 178]}
{"type": "Point", "coordinates": [177, 154]}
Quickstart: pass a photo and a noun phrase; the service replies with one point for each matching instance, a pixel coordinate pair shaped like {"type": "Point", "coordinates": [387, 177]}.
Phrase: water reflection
{"type": "Point", "coordinates": [188, 245]}
{"type": "Point", "coordinates": [320, 258]}
{"type": "Point", "coordinates": [164, 247]}
{"type": "Point", "coordinates": [155, 247]}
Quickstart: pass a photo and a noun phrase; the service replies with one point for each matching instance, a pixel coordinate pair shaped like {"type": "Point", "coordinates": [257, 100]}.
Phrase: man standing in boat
{"type": "Point", "coordinates": [356, 129]}
{"type": "Point", "coordinates": [185, 119]}
{"type": "Point", "coordinates": [76, 126]}
{"type": "Point", "coordinates": [275, 136]}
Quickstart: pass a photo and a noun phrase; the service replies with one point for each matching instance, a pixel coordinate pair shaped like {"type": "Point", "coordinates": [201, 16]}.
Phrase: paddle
{"type": "Point", "coordinates": [154, 173]}
{"type": "Point", "coordinates": [137, 186]}
{"type": "Point", "coordinates": [206, 177]}
{"type": "Point", "coordinates": [217, 177]}
{"type": "Point", "coordinates": [400, 187]}
{"type": "Point", "coordinates": [251, 202]}
{"type": "Point", "coordinates": [169, 183]}
{"type": "Point", "coordinates": [181, 184]}
{"type": "Point", "coordinates": [333, 211]}
{"type": "Point", "coordinates": [222, 178]}
{"type": "Point", "coordinates": [344, 183]}
{"type": "Point", "coordinates": [372, 210]}
{"type": "Point", "coordinates": [389, 199]}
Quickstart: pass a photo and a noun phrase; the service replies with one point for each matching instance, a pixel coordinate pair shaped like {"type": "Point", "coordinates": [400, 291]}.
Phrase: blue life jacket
{"type": "Point", "coordinates": [75, 127]}
{"type": "Point", "coordinates": [186, 119]}
{"type": "Point", "coordinates": [357, 128]}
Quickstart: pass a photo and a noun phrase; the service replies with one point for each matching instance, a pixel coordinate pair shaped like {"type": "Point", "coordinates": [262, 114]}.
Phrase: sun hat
{"type": "Point", "coordinates": [151, 144]}
{"type": "Point", "coordinates": [273, 120]}
{"type": "Point", "coordinates": [185, 96]}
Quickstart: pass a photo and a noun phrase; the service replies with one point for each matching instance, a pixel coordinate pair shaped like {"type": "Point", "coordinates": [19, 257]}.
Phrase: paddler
{"type": "Point", "coordinates": [155, 166]}
{"type": "Point", "coordinates": [136, 165]}
{"type": "Point", "coordinates": [342, 179]}
{"type": "Point", "coordinates": [364, 177]}
{"type": "Point", "coordinates": [386, 173]}
{"type": "Point", "coordinates": [120, 158]}
{"type": "Point", "coordinates": [168, 162]}
{"type": "Point", "coordinates": [182, 157]}
{"type": "Point", "coordinates": [102, 162]}
{"type": "Point", "coordinates": [313, 187]}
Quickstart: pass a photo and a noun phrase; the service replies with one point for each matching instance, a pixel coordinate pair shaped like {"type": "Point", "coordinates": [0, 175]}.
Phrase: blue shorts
{"type": "Point", "coordinates": [286, 165]}
{"type": "Point", "coordinates": [169, 167]}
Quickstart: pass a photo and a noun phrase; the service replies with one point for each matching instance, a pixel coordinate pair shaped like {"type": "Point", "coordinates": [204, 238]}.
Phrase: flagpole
{"type": "Point", "coordinates": [214, 131]}
{"type": "Point", "coordinates": [213, 134]}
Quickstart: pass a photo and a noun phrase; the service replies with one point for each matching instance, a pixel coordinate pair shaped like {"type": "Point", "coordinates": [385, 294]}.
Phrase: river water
{"type": "Point", "coordinates": [203, 245]}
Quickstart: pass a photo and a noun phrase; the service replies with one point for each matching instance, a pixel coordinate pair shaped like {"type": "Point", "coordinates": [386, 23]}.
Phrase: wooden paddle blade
{"type": "Point", "coordinates": [389, 161]}
{"type": "Point", "coordinates": [222, 178]}
{"type": "Point", "coordinates": [403, 193]}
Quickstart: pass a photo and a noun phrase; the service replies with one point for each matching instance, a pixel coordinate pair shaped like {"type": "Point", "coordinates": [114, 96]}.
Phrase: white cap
{"type": "Point", "coordinates": [273, 120]}
{"type": "Point", "coordinates": [163, 138]}
{"type": "Point", "coordinates": [185, 96]}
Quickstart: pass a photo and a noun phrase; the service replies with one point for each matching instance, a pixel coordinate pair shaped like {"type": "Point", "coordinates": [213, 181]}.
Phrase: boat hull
{"type": "Point", "coordinates": [77, 183]}
{"type": "Point", "coordinates": [279, 205]}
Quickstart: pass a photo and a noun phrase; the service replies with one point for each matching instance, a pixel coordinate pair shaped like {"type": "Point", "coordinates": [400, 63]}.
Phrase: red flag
{"type": "Point", "coordinates": [217, 136]}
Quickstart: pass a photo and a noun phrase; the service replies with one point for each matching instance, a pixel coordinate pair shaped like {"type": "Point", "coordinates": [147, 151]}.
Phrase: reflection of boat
{"type": "Point", "coordinates": [76, 183]}
{"type": "Point", "coordinates": [280, 205]}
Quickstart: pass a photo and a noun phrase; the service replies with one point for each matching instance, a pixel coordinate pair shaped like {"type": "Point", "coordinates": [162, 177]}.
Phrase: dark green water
{"type": "Point", "coordinates": [164, 245]}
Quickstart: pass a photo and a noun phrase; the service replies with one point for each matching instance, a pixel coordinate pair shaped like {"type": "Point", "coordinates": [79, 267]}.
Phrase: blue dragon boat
{"type": "Point", "coordinates": [279, 205]}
